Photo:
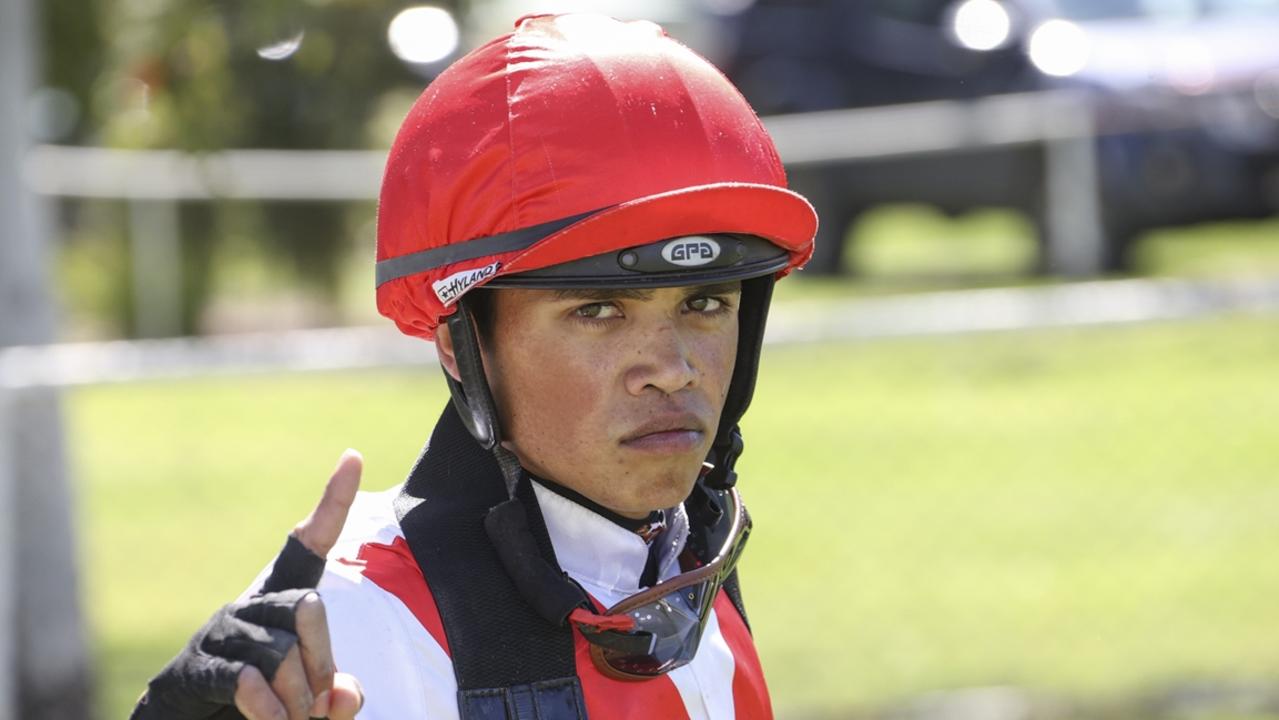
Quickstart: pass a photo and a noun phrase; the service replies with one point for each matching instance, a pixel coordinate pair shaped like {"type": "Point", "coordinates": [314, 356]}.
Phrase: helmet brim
{"type": "Point", "coordinates": [780, 216]}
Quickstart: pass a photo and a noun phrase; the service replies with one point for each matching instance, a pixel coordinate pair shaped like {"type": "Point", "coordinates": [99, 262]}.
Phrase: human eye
{"type": "Point", "coordinates": [708, 305]}
{"type": "Point", "coordinates": [597, 312]}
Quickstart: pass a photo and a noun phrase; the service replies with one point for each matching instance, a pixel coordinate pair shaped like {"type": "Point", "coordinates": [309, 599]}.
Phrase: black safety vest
{"type": "Point", "coordinates": [510, 662]}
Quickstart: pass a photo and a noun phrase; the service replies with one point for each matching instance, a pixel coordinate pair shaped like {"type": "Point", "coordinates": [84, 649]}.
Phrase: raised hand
{"type": "Point", "coordinates": [269, 657]}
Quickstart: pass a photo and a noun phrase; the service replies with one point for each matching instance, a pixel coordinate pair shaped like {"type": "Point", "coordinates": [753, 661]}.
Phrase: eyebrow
{"type": "Point", "coordinates": [725, 288]}
{"type": "Point", "coordinates": [596, 294]}
{"type": "Point", "coordinates": [601, 294]}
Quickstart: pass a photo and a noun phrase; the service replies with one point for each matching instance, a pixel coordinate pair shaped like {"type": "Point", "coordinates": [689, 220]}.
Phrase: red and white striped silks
{"type": "Point", "coordinates": [387, 631]}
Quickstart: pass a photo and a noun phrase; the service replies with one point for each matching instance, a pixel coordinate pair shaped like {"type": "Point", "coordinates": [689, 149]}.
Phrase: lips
{"type": "Point", "coordinates": [678, 432]}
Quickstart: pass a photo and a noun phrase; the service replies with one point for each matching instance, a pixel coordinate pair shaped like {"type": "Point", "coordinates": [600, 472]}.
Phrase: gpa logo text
{"type": "Point", "coordinates": [690, 252]}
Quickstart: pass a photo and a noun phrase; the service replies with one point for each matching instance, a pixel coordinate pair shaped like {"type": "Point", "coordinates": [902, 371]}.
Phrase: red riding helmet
{"type": "Point", "coordinates": [577, 136]}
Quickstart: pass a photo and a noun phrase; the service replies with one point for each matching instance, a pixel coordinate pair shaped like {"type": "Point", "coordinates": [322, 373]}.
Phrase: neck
{"type": "Point", "coordinates": [634, 524]}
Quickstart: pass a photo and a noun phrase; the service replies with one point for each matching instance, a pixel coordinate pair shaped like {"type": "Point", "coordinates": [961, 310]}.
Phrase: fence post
{"type": "Point", "coordinates": [8, 569]}
{"type": "Point", "coordinates": [1076, 240]}
{"type": "Point", "coordinates": [155, 258]}
{"type": "Point", "coordinates": [44, 669]}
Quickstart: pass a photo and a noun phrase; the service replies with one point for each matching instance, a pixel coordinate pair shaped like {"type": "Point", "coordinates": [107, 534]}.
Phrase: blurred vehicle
{"type": "Point", "coordinates": [1185, 97]}
{"type": "Point", "coordinates": [1187, 100]}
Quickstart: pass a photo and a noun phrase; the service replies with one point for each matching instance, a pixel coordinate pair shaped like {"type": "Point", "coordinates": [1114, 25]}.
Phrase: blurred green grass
{"type": "Point", "coordinates": [1091, 511]}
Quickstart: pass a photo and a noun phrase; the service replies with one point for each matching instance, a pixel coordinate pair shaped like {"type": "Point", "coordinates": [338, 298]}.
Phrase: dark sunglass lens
{"type": "Point", "coordinates": [675, 623]}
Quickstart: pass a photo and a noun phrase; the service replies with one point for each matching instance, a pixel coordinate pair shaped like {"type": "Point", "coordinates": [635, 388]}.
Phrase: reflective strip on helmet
{"type": "Point", "coordinates": [421, 261]}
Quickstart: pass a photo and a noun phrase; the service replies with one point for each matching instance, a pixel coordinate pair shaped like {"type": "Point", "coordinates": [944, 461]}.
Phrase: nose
{"type": "Point", "coordinates": [662, 360]}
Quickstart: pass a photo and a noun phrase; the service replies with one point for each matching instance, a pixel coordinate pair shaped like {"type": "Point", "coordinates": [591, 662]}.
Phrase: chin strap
{"type": "Point", "coordinates": [476, 407]}
{"type": "Point", "coordinates": [473, 398]}
{"type": "Point", "coordinates": [720, 473]}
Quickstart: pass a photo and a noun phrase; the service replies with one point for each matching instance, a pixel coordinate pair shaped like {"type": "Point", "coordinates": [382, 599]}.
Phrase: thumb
{"type": "Point", "coordinates": [301, 563]}
{"type": "Point", "coordinates": [320, 530]}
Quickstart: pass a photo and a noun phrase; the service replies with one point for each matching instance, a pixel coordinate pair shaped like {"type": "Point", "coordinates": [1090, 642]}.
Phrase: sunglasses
{"type": "Point", "coordinates": [657, 630]}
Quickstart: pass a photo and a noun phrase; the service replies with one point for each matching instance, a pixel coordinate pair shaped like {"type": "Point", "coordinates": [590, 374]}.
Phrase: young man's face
{"type": "Point", "coordinates": [614, 393]}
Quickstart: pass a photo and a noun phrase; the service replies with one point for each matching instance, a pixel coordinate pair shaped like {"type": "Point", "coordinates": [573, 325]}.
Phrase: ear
{"type": "Point", "coordinates": [444, 351]}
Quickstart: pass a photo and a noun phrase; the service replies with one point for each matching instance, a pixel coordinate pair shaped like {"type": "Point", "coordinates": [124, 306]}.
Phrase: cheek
{"type": "Point", "coordinates": [549, 405]}
{"type": "Point", "coordinates": [721, 354]}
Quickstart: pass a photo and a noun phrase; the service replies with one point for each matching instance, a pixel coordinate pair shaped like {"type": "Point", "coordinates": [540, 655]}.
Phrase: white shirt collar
{"type": "Point", "coordinates": [600, 553]}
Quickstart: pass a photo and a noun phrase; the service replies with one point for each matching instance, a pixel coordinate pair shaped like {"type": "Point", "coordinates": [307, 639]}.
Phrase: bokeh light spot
{"type": "Point", "coordinates": [282, 50]}
{"type": "Point", "coordinates": [423, 34]}
{"type": "Point", "coordinates": [1059, 48]}
{"type": "Point", "coordinates": [982, 24]}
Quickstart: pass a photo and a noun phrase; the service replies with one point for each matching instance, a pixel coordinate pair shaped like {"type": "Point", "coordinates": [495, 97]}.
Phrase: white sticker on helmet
{"type": "Point", "coordinates": [452, 287]}
{"type": "Point", "coordinates": [691, 251]}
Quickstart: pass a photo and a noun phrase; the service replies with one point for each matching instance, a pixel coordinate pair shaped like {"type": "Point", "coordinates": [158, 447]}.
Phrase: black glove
{"type": "Point", "coordinates": [199, 684]}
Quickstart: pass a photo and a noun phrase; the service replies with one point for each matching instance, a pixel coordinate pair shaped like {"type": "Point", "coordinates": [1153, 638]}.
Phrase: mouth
{"type": "Point", "coordinates": [675, 433]}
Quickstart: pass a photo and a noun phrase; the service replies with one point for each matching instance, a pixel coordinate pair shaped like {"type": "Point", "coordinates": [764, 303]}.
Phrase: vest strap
{"type": "Point", "coordinates": [533, 701]}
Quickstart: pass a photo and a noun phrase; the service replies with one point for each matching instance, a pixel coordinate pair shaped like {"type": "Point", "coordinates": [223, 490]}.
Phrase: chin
{"type": "Point", "coordinates": [670, 488]}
